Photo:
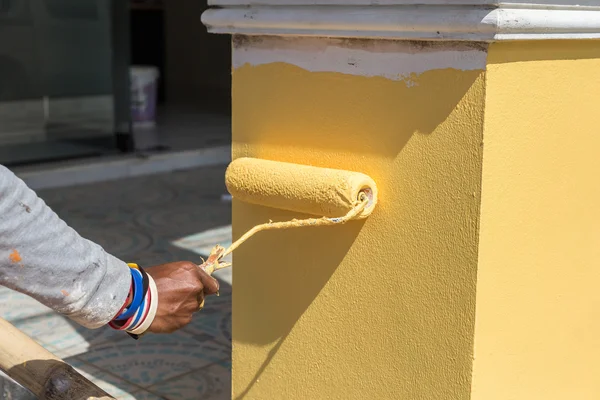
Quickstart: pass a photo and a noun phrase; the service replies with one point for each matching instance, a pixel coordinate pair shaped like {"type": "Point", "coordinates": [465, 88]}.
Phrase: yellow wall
{"type": "Point", "coordinates": [382, 309]}
{"type": "Point", "coordinates": [538, 295]}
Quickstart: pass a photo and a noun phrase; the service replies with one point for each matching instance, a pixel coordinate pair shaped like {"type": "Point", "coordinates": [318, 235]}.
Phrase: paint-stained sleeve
{"type": "Point", "coordinates": [46, 259]}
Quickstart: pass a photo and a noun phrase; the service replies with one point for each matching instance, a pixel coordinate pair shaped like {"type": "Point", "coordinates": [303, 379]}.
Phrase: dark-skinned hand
{"type": "Point", "coordinates": [182, 287]}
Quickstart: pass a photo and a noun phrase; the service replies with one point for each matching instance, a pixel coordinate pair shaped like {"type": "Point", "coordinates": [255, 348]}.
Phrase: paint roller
{"type": "Point", "coordinates": [300, 188]}
{"type": "Point", "coordinates": [338, 196]}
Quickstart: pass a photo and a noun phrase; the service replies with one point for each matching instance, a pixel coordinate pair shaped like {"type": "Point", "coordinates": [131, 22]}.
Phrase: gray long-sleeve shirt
{"type": "Point", "coordinates": [43, 257]}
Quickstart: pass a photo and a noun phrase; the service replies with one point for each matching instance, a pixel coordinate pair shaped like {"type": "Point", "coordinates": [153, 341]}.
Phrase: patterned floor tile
{"type": "Point", "coordinates": [215, 318]}
{"type": "Point", "coordinates": [215, 322]}
{"type": "Point", "coordinates": [65, 337]}
{"type": "Point", "coordinates": [223, 301]}
{"type": "Point", "coordinates": [15, 306]}
{"type": "Point", "coordinates": [111, 384]}
{"type": "Point", "coordinates": [137, 220]}
{"type": "Point", "coordinates": [210, 383]}
{"type": "Point", "coordinates": [202, 244]}
{"type": "Point", "coordinates": [143, 395]}
{"type": "Point", "coordinates": [121, 242]}
{"type": "Point", "coordinates": [160, 254]}
{"type": "Point", "coordinates": [189, 217]}
{"type": "Point", "coordinates": [156, 358]}
{"type": "Point", "coordinates": [10, 390]}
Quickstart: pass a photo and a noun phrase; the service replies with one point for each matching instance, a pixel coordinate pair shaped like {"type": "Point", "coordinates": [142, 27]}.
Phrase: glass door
{"type": "Point", "coordinates": [56, 96]}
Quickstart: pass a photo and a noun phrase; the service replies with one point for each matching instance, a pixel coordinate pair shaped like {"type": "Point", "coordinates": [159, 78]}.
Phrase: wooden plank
{"type": "Point", "coordinates": [40, 371]}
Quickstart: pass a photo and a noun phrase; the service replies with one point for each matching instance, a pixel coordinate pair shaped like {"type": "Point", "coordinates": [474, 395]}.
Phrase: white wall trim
{"type": "Point", "coordinates": [562, 4]}
{"type": "Point", "coordinates": [484, 20]}
{"type": "Point", "coordinates": [391, 59]}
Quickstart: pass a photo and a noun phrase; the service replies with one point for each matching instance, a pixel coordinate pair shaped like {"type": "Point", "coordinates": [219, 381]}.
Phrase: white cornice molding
{"type": "Point", "coordinates": [492, 3]}
{"type": "Point", "coordinates": [482, 20]}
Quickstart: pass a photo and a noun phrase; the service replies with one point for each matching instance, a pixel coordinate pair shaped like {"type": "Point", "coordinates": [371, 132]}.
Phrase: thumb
{"type": "Point", "coordinates": [211, 285]}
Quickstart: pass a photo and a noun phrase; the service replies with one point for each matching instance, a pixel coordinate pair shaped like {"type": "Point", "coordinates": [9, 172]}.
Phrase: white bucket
{"type": "Point", "coordinates": [144, 95]}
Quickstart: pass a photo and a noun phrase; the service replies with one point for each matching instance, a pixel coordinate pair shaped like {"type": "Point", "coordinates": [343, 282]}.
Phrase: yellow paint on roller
{"type": "Point", "coordinates": [299, 188]}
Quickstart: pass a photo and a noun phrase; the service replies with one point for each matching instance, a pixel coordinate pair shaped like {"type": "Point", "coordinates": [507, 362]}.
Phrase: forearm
{"type": "Point", "coordinates": [43, 257]}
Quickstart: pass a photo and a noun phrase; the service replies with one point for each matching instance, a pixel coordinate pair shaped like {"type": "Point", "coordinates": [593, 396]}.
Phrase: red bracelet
{"type": "Point", "coordinates": [127, 301]}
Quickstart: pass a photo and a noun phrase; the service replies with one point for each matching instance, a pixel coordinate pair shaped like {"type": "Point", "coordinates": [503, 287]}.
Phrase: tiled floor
{"type": "Point", "coordinates": [139, 219]}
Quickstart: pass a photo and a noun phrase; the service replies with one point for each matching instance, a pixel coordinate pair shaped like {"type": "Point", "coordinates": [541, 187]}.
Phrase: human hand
{"type": "Point", "coordinates": [181, 290]}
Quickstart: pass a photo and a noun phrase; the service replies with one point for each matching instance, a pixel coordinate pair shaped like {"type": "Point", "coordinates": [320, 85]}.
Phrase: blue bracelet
{"type": "Point", "coordinates": [140, 313]}
{"type": "Point", "coordinates": [138, 295]}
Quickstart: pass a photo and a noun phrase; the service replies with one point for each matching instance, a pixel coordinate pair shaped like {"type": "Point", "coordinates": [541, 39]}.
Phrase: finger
{"type": "Point", "coordinates": [211, 285]}
{"type": "Point", "coordinates": [200, 301]}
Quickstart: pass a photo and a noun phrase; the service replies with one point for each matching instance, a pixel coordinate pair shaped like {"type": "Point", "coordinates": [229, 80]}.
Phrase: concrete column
{"type": "Point", "coordinates": [477, 277]}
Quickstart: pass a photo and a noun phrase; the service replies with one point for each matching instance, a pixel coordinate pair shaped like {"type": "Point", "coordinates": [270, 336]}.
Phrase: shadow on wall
{"type": "Point", "coordinates": [269, 314]}
{"type": "Point", "coordinates": [308, 264]}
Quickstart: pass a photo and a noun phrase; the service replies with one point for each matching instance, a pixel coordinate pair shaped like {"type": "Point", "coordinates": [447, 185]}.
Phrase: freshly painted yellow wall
{"type": "Point", "coordinates": [538, 295]}
{"type": "Point", "coordinates": [379, 309]}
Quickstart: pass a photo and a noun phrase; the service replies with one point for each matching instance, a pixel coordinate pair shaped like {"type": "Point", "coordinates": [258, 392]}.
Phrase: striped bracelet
{"type": "Point", "coordinates": [143, 326]}
{"type": "Point", "coordinates": [136, 318]}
